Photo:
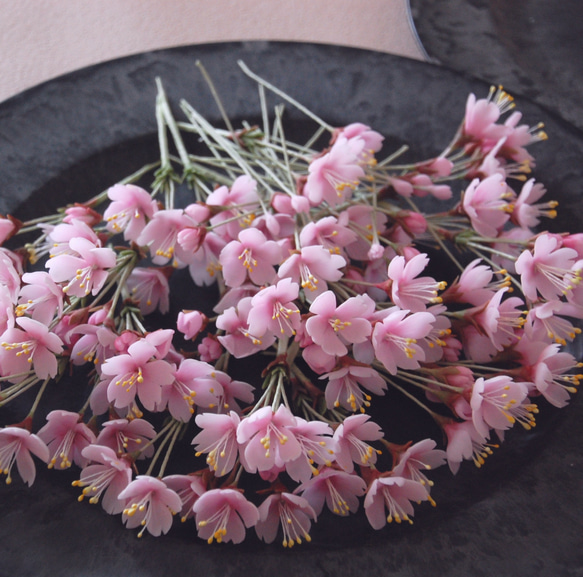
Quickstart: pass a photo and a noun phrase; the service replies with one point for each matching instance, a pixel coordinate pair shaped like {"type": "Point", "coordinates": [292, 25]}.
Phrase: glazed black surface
{"type": "Point", "coordinates": [532, 47]}
{"type": "Point", "coordinates": [74, 136]}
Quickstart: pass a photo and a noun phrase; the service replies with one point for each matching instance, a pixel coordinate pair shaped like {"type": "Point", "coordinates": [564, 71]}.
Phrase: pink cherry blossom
{"type": "Point", "coordinates": [473, 285]}
{"type": "Point", "coordinates": [96, 344]}
{"type": "Point", "coordinates": [485, 203]}
{"type": "Point", "coordinates": [548, 269]}
{"type": "Point", "coordinates": [292, 512]}
{"type": "Point", "coordinates": [149, 287]}
{"type": "Point", "coordinates": [350, 442]}
{"type": "Point", "coordinates": [129, 210]}
{"type": "Point", "coordinates": [239, 340]}
{"type": "Point", "coordinates": [497, 403]}
{"type": "Point", "coordinates": [232, 392]}
{"type": "Point", "coordinates": [266, 439]}
{"type": "Point", "coordinates": [330, 232]}
{"type": "Point", "coordinates": [312, 268]}
{"type": "Point", "coordinates": [545, 321]}
{"type": "Point", "coordinates": [59, 237]}
{"type": "Point", "coordinates": [10, 272]}
{"type": "Point", "coordinates": [137, 373]}
{"type": "Point", "coordinates": [344, 387]}
{"type": "Point", "coordinates": [465, 442]}
{"type": "Point", "coordinates": [409, 291]}
{"type": "Point", "coordinates": [373, 141]}
{"type": "Point", "coordinates": [527, 211]}
{"type": "Point", "coordinates": [8, 227]}
{"type": "Point", "coordinates": [334, 327]}
{"type": "Point", "coordinates": [40, 297]}
{"type": "Point", "coordinates": [210, 349]}
{"type": "Point", "coordinates": [395, 339]}
{"type": "Point", "coordinates": [338, 489]}
{"type": "Point", "coordinates": [223, 514]}
{"type": "Point", "coordinates": [160, 235]}
{"type": "Point", "coordinates": [480, 120]}
{"type": "Point", "coordinates": [149, 503]}
{"type": "Point", "coordinates": [191, 323]}
{"type": "Point", "coordinates": [66, 437]}
{"type": "Point", "coordinates": [218, 439]}
{"type": "Point", "coordinates": [85, 273]}
{"type": "Point", "coordinates": [418, 458]}
{"type": "Point", "coordinates": [105, 478]}
{"type": "Point", "coordinates": [317, 448]}
{"type": "Point", "coordinates": [32, 346]}
{"type": "Point", "coordinates": [251, 254]}
{"type": "Point", "coordinates": [128, 437]}
{"type": "Point", "coordinates": [395, 495]}
{"type": "Point", "coordinates": [273, 310]}
{"type": "Point", "coordinates": [333, 176]}
{"type": "Point", "coordinates": [189, 488]}
{"type": "Point", "coordinates": [16, 446]}
{"type": "Point", "coordinates": [204, 263]}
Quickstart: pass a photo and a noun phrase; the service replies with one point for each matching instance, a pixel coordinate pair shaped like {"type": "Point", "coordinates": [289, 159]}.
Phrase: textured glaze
{"type": "Point", "coordinates": [72, 137]}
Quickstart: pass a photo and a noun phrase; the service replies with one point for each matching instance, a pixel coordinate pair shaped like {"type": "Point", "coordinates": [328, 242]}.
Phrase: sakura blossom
{"type": "Point", "coordinates": [149, 503]}
{"type": "Point", "coordinates": [319, 291]}
{"type": "Point", "coordinates": [223, 514]}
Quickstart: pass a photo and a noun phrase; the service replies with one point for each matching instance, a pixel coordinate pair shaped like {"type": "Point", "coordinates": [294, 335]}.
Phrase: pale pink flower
{"type": "Point", "coordinates": [32, 346]}
{"type": "Point", "coordinates": [417, 459]}
{"type": "Point", "coordinates": [40, 297]}
{"type": "Point", "coordinates": [149, 287]}
{"type": "Point", "coordinates": [10, 272]}
{"type": "Point", "coordinates": [250, 255]}
{"type": "Point", "coordinates": [6, 310]}
{"type": "Point", "coordinates": [273, 310]}
{"type": "Point", "coordinates": [334, 327]}
{"type": "Point", "coordinates": [96, 344]}
{"type": "Point", "coordinates": [137, 373]}
{"type": "Point", "coordinates": [292, 512]}
{"type": "Point", "coordinates": [520, 136]}
{"type": "Point", "coordinates": [85, 273]}
{"type": "Point", "coordinates": [290, 204]}
{"type": "Point", "coordinates": [364, 220]}
{"type": "Point", "coordinates": [66, 437]}
{"type": "Point", "coordinates": [312, 267]}
{"type": "Point", "coordinates": [129, 210]}
{"type": "Point", "coordinates": [333, 176]}
{"type": "Point", "coordinates": [189, 488]}
{"type": "Point", "coordinates": [395, 495]}
{"type": "Point", "coordinates": [128, 437]}
{"type": "Point", "coordinates": [204, 263]}
{"type": "Point", "coordinates": [481, 118]}
{"type": "Point", "coordinates": [105, 478]}
{"type": "Point", "coordinates": [338, 489]}
{"type": "Point", "coordinates": [548, 269]}
{"type": "Point", "coordinates": [210, 349]}
{"type": "Point", "coordinates": [408, 290]}
{"type": "Point", "coordinates": [485, 203]}
{"type": "Point", "coordinates": [330, 232]}
{"type": "Point", "coordinates": [345, 386]}
{"type": "Point", "coordinates": [465, 442]}
{"type": "Point", "coordinates": [16, 445]}
{"type": "Point", "coordinates": [266, 439]}
{"type": "Point", "coordinates": [193, 385]}
{"type": "Point", "coordinates": [547, 369]}
{"type": "Point", "coordinates": [499, 402]}
{"type": "Point", "coordinates": [395, 339]}
{"type": "Point", "coordinates": [234, 296]}
{"type": "Point", "coordinates": [232, 392]}
{"type": "Point", "coordinates": [350, 442]}
{"type": "Point", "coordinates": [8, 227]}
{"type": "Point", "coordinates": [544, 321]}
{"type": "Point", "coordinates": [191, 323]}
{"type": "Point", "coordinates": [318, 360]}
{"type": "Point", "coordinates": [239, 340]}
{"type": "Point", "coordinates": [149, 503]}
{"type": "Point", "coordinates": [59, 237]}
{"type": "Point", "coordinates": [420, 185]}
{"type": "Point", "coordinates": [318, 447]}
{"type": "Point", "coordinates": [527, 211]}
{"type": "Point", "coordinates": [473, 286]}
{"type": "Point", "coordinates": [436, 342]}
{"type": "Point", "coordinates": [160, 235]}
{"type": "Point", "coordinates": [218, 439]}
{"type": "Point", "coordinates": [82, 213]}
{"type": "Point", "coordinates": [223, 514]}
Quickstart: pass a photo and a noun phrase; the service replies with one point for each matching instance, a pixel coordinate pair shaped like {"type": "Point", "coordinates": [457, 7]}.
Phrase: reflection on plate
{"type": "Point", "coordinates": [74, 136]}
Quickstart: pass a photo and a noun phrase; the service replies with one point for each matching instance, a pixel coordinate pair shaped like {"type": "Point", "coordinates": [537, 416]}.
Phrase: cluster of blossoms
{"type": "Point", "coordinates": [324, 268]}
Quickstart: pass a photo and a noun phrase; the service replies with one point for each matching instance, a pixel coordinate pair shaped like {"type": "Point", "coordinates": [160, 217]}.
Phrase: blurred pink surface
{"type": "Point", "coordinates": [42, 39]}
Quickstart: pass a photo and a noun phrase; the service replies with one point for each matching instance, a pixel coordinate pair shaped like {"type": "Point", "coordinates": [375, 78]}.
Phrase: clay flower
{"type": "Point", "coordinates": [124, 436]}
{"type": "Point", "coordinates": [105, 478]}
{"type": "Point", "coordinates": [223, 514]}
{"type": "Point", "coordinates": [292, 512]}
{"type": "Point", "coordinates": [16, 446]}
{"type": "Point", "coordinates": [149, 503]}
{"type": "Point", "coordinates": [350, 442]}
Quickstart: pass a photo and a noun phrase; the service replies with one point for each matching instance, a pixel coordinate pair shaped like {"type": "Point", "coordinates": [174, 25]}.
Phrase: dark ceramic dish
{"type": "Point", "coordinates": [72, 137]}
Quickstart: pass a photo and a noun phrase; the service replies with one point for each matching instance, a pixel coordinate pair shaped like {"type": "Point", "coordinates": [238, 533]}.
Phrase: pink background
{"type": "Point", "coordinates": [41, 39]}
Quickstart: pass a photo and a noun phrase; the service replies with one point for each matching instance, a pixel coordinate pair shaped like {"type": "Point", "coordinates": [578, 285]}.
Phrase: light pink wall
{"type": "Point", "coordinates": [41, 39]}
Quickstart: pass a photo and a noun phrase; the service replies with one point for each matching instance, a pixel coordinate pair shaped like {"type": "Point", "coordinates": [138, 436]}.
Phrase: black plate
{"type": "Point", "coordinates": [72, 137]}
